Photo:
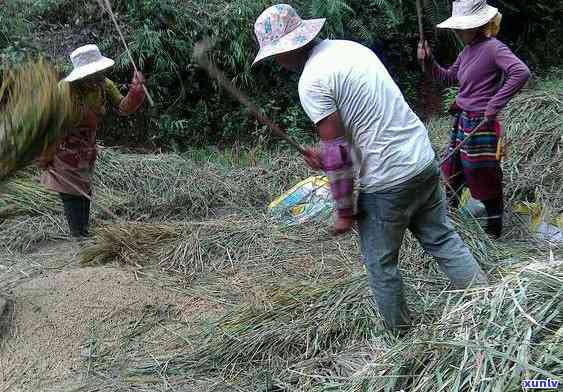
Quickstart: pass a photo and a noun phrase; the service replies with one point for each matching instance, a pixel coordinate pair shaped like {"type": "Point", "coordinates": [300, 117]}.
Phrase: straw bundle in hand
{"type": "Point", "coordinates": [34, 111]}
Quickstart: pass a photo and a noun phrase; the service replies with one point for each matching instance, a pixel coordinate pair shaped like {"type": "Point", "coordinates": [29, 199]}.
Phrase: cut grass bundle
{"type": "Point", "coordinates": [303, 325]}
{"type": "Point", "coordinates": [489, 341]}
{"type": "Point", "coordinates": [21, 233]}
{"type": "Point", "coordinates": [133, 243]}
{"type": "Point", "coordinates": [24, 195]}
{"type": "Point", "coordinates": [169, 186]}
{"type": "Point", "coordinates": [300, 322]}
{"type": "Point", "coordinates": [187, 247]}
{"type": "Point", "coordinates": [163, 186]}
{"type": "Point", "coordinates": [534, 131]}
{"type": "Point", "coordinates": [34, 110]}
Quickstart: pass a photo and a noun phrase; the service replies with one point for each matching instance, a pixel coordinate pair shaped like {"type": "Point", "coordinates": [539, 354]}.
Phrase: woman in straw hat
{"type": "Point", "coordinates": [489, 75]}
{"type": "Point", "coordinates": [69, 164]}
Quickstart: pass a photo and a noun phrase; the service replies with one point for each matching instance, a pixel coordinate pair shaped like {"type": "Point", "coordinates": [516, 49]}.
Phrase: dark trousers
{"type": "Point", "coordinates": [494, 208]}
{"type": "Point", "coordinates": [77, 213]}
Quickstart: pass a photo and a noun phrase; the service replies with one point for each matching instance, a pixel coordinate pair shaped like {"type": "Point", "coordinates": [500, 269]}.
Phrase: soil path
{"type": "Point", "coordinates": [61, 317]}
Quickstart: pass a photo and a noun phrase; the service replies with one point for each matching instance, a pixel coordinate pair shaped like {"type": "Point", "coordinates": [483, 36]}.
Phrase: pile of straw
{"type": "Point", "coordinates": [161, 186]}
{"type": "Point", "coordinates": [188, 247]}
{"type": "Point", "coordinates": [486, 339]}
{"type": "Point", "coordinates": [534, 131]}
{"type": "Point", "coordinates": [34, 111]}
{"type": "Point", "coordinates": [170, 186]}
{"type": "Point", "coordinates": [24, 195]}
{"type": "Point", "coordinates": [491, 340]}
{"type": "Point", "coordinates": [301, 322]}
{"type": "Point", "coordinates": [21, 233]}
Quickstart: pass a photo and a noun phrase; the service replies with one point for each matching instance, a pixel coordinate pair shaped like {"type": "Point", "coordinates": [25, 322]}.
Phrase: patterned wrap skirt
{"type": "Point", "coordinates": [475, 164]}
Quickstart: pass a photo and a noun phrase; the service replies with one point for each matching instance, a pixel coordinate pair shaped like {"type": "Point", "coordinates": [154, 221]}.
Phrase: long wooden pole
{"type": "Point", "coordinates": [200, 54]}
{"type": "Point", "coordinates": [420, 30]}
{"type": "Point", "coordinates": [106, 4]}
{"type": "Point", "coordinates": [465, 140]}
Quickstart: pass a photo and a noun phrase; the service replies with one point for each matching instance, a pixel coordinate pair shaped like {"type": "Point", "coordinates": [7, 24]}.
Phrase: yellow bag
{"type": "Point", "coordinates": [308, 200]}
{"type": "Point", "coordinates": [550, 229]}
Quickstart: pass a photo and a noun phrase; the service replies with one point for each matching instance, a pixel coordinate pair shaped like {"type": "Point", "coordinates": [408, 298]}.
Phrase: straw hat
{"type": "Point", "coordinates": [280, 29]}
{"type": "Point", "coordinates": [87, 60]}
{"type": "Point", "coordinates": [469, 14]}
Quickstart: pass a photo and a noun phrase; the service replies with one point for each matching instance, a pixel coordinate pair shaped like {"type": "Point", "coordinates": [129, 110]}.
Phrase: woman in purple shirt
{"type": "Point", "coordinates": [489, 75]}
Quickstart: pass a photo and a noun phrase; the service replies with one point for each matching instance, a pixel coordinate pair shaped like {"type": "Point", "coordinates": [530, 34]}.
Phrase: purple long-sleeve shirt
{"type": "Point", "coordinates": [479, 69]}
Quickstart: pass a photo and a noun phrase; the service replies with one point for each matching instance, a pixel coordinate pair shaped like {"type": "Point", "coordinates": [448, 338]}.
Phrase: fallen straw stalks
{"type": "Point", "coordinates": [489, 342]}
{"type": "Point", "coordinates": [24, 195]}
{"type": "Point", "coordinates": [185, 247]}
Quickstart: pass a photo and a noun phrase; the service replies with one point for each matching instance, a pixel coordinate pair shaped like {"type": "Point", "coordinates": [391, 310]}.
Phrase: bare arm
{"type": "Point", "coordinates": [331, 127]}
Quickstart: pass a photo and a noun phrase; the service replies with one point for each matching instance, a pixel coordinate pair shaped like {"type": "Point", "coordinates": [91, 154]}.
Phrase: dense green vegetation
{"type": "Point", "coordinates": [191, 109]}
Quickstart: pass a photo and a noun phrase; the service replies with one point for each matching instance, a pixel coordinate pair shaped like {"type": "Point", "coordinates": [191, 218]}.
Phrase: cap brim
{"type": "Point", "coordinates": [90, 69]}
{"type": "Point", "coordinates": [469, 22]}
{"type": "Point", "coordinates": [298, 38]}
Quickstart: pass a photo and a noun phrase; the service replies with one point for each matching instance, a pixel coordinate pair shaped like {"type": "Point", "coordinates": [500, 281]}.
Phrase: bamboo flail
{"type": "Point", "coordinates": [200, 50]}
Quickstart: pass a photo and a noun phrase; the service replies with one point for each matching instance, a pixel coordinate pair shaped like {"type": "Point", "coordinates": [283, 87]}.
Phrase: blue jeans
{"type": "Point", "coordinates": [417, 205]}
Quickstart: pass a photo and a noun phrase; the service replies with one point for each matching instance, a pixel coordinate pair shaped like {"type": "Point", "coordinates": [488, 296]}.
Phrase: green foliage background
{"type": "Point", "coordinates": [191, 109]}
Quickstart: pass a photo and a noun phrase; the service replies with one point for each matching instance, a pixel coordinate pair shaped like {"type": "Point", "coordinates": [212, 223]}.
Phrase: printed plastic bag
{"type": "Point", "coordinates": [307, 201]}
{"type": "Point", "coordinates": [539, 223]}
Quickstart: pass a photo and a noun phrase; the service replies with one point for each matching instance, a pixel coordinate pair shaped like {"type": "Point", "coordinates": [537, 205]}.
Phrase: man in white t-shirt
{"type": "Point", "coordinates": [368, 131]}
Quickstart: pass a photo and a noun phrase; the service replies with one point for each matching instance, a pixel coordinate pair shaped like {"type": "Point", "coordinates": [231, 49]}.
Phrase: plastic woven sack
{"type": "Point", "coordinates": [307, 201]}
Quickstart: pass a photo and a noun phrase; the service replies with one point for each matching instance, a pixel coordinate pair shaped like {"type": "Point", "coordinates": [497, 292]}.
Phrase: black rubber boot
{"type": "Point", "coordinates": [494, 220]}
{"type": "Point", "coordinates": [77, 213]}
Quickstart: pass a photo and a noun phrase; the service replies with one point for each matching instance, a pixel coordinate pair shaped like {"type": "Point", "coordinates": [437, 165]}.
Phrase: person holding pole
{"type": "Point", "coordinates": [489, 75]}
{"type": "Point", "coordinates": [69, 164]}
{"type": "Point", "coordinates": [368, 131]}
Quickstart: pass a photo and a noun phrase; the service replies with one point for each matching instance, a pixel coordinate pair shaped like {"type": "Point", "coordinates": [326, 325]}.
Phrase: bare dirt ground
{"type": "Point", "coordinates": [62, 318]}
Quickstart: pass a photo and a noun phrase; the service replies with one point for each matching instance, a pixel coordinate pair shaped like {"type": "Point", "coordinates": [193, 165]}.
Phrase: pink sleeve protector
{"type": "Point", "coordinates": [337, 164]}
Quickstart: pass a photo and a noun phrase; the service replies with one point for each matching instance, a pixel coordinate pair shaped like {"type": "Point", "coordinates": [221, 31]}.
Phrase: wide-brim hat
{"type": "Point", "coordinates": [469, 14]}
{"type": "Point", "coordinates": [87, 60]}
{"type": "Point", "coordinates": [279, 29]}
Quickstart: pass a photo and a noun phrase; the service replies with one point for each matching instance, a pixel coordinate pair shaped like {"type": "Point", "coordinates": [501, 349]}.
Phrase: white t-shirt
{"type": "Point", "coordinates": [389, 141]}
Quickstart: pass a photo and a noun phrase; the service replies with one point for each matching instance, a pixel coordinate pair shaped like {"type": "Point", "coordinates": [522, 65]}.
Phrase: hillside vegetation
{"type": "Point", "coordinates": [191, 110]}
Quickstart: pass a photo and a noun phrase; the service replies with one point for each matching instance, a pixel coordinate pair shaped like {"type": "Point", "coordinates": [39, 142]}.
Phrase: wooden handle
{"type": "Point", "coordinates": [151, 102]}
{"type": "Point", "coordinates": [420, 30]}
{"type": "Point", "coordinates": [243, 99]}
{"type": "Point", "coordinates": [114, 19]}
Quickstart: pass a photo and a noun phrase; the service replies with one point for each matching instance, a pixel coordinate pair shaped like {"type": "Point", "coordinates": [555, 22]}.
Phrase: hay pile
{"type": "Point", "coordinates": [170, 186]}
{"type": "Point", "coordinates": [35, 109]}
{"type": "Point", "coordinates": [534, 131]}
{"type": "Point", "coordinates": [327, 337]}
{"type": "Point", "coordinates": [162, 186]}
{"type": "Point", "coordinates": [21, 234]}
{"type": "Point", "coordinates": [491, 340]}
